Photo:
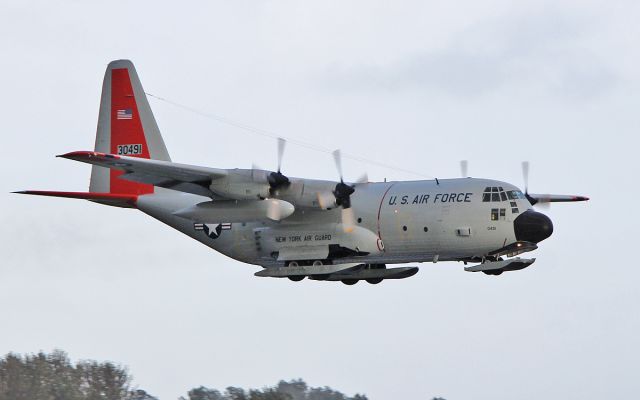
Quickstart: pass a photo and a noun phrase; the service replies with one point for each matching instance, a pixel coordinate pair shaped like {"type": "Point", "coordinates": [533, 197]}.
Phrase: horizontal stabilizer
{"type": "Point", "coordinates": [166, 174]}
{"type": "Point", "coordinates": [112, 199]}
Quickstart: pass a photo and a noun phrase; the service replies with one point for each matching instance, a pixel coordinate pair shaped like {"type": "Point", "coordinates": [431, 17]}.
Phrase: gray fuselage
{"type": "Point", "coordinates": [397, 222]}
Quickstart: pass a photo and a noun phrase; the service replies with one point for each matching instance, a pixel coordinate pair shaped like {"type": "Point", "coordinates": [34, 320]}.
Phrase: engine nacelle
{"type": "Point", "coordinates": [241, 185]}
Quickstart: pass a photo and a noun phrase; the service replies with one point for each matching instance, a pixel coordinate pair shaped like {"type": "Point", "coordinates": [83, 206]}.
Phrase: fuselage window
{"type": "Point", "coordinates": [515, 210]}
{"type": "Point", "coordinates": [503, 213]}
{"type": "Point", "coordinates": [494, 214]}
{"type": "Point", "coordinates": [514, 204]}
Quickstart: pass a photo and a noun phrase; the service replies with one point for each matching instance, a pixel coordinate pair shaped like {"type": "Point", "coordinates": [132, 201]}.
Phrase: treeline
{"type": "Point", "coordinates": [54, 377]}
{"type": "Point", "coordinates": [292, 390]}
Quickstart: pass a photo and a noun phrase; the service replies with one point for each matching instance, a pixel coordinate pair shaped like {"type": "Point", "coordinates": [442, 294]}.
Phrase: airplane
{"type": "Point", "coordinates": [300, 228]}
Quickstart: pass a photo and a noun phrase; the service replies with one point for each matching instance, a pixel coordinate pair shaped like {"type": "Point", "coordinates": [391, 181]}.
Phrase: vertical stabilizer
{"type": "Point", "coordinates": [126, 126]}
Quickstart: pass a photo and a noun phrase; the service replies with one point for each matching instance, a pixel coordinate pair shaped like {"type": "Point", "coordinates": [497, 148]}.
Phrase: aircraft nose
{"type": "Point", "coordinates": [532, 226]}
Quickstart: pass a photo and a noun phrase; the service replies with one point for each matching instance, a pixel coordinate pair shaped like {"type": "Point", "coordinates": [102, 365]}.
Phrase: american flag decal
{"type": "Point", "coordinates": [212, 230]}
{"type": "Point", "coordinates": [124, 114]}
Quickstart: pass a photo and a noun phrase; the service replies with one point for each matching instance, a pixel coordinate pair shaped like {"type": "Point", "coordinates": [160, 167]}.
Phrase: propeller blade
{"type": "Point", "coordinates": [258, 174]}
{"type": "Point", "coordinates": [364, 178]}
{"type": "Point", "coordinates": [281, 144]}
{"type": "Point", "coordinates": [326, 200]}
{"type": "Point", "coordinates": [348, 219]}
{"type": "Point", "coordinates": [337, 157]}
{"type": "Point", "coordinates": [543, 201]}
{"type": "Point", "coordinates": [464, 164]}
{"type": "Point", "coordinates": [525, 175]}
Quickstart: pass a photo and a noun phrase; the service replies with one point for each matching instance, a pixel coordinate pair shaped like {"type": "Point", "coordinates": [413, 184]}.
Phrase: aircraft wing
{"type": "Point", "coordinates": [166, 174]}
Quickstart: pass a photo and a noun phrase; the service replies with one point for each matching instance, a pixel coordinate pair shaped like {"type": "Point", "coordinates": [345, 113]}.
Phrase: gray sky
{"type": "Point", "coordinates": [420, 85]}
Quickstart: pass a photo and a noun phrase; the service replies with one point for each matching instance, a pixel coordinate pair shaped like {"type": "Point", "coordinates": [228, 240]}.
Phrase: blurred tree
{"type": "Point", "coordinates": [296, 389]}
{"type": "Point", "coordinates": [104, 381]}
{"type": "Point", "coordinates": [325, 393]}
{"type": "Point", "coordinates": [139, 394]}
{"type": "Point", "coordinates": [234, 393]}
{"type": "Point", "coordinates": [268, 394]}
{"type": "Point", "coordinates": [53, 377]}
{"type": "Point", "coordinates": [203, 393]}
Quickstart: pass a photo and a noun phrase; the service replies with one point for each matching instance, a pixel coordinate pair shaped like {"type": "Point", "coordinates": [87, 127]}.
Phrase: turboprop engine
{"type": "Point", "coordinates": [237, 210]}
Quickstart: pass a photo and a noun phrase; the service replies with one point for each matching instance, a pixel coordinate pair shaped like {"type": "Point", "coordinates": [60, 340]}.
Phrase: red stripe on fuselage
{"type": "Point", "coordinates": [380, 208]}
{"type": "Point", "coordinates": [126, 131]}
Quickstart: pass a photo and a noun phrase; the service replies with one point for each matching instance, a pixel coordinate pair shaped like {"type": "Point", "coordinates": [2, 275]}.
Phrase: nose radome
{"type": "Point", "coordinates": [532, 226]}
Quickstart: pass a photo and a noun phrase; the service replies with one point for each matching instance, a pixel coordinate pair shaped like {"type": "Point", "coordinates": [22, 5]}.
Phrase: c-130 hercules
{"type": "Point", "coordinates": [296, 227]}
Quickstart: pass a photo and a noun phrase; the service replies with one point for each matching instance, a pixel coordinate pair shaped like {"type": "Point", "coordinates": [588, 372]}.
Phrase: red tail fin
{"type": "Point", "coordinates": [126, 126]}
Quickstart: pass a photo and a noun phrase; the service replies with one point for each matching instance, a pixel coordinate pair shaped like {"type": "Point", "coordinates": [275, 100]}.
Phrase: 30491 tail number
{"type": "Point", "coordinates": [129, 149]}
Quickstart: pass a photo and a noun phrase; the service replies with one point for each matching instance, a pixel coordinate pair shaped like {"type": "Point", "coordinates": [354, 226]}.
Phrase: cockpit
{"type": "Point", "coordinates": [529, 226]}
{"type": "Point", "coordinates": [497, 194]}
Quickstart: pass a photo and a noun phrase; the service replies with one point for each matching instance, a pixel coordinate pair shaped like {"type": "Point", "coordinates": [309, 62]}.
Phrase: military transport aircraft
{"type": "Point", "coordinates": [297, 227]}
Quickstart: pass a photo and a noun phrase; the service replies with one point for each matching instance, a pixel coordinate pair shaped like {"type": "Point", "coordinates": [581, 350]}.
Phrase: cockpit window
{"type": "Point", "coordinates": [497, 193]}
{"type": "Point", "coordinates": [515, 194]}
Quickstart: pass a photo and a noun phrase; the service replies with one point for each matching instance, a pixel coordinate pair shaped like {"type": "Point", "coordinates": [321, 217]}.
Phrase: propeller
{"type": "Point", "coordinates": [278, 180]}
{"type": "Point", "coordinates": [464, 165]}
{"type": "Point", "coordinates": [341, 195]}
{"type": "Point", "coordinates": [540, 202]}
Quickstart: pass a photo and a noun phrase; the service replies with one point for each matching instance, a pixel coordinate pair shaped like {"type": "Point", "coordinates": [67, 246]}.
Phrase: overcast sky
{"type": "Point", "coordinates": [419, 85]}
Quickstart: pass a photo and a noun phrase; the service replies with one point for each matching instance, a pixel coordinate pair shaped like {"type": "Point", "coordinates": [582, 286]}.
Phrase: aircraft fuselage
{"type": "Point", "coordinates": [397, 222]}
